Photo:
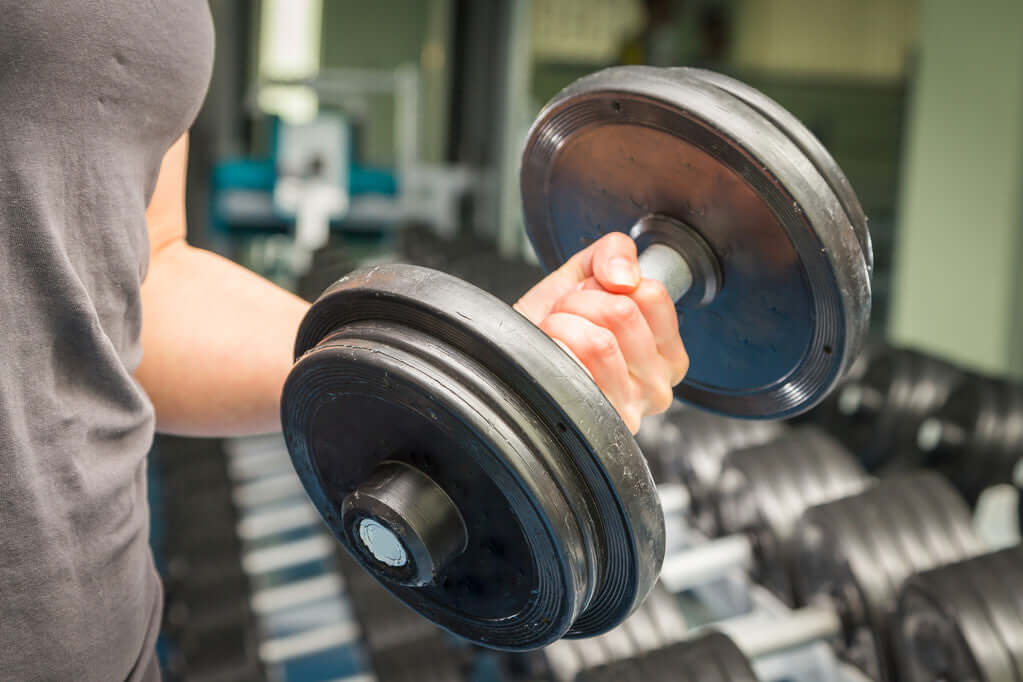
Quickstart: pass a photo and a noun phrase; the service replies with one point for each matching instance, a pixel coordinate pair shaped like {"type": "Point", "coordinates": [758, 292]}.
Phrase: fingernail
{"type": "Point", "coordinates": [623, 272]}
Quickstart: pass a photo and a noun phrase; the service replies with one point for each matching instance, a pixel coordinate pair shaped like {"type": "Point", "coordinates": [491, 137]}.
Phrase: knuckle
{"type": "Point", "coordinates": [682, 365]}
{"type": "Point", "coordinates": [623, 310]}
{"type": "Point", "coordinates": [679, 371]}
{"type": "Point", "coordinates": [557, 326]}
{"type": "Point", "coordinates": [548, 326]}
{"type": "Point", "coordinates": [602, 345]}
{"type": "Point", "coordinates": [564, 304]}
{"type": "Point", "coordinates": [652, 292]}
{"type": "Point", "coordinates": [661, 399]}
{"type": "Point", "coordinates": [632, 418]}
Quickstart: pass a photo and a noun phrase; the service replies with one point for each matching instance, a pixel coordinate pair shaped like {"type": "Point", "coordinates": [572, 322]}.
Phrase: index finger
{"type": "Point", "coordinates": [599, 260]}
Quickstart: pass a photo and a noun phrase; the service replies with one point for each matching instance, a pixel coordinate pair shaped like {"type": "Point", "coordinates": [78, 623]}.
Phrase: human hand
{"type": "Point", "coordinates": [621, 328]}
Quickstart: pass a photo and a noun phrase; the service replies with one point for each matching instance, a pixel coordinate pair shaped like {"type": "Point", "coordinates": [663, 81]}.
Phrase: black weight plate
{"type": "Point", "coordinates": [827, 414]}
{"type": "Point", "coordinates": [964, 621]}
{"type": "Point", "coordinates": [996, 445]}
{"type": "Point", "coordinates": [807, 143]}
{"type": "Point", "coordinates": [858, 552]}
{"type": "Point", "coordinates": [710, 658]}
{"type": "Point", "coordinates": [933, 380]}
{"type": "Point", "coordinates": [884, 409]}
{"type": "Point", "coordinates": [976, 439]}
{"type": "Point", "coordinates": [658, 438]}
{"type": "Point", "coordinates": [656, 624]}
{"type": "Point", "coordinates": [688, 445]}
{"type": "Point", "coordinates": [764, 490]}
{"type": "Point", "coordinates": [566, 534]}
{"type": "Point", "coordinates": [630, 141]}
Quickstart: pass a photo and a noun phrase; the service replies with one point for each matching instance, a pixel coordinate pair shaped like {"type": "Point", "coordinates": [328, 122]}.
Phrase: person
{"type": "Point", "coordinates": [113, 325]}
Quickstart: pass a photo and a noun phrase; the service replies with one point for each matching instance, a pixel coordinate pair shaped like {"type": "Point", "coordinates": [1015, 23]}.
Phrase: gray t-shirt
{"type": "Point", "coordinates": [92, 94]}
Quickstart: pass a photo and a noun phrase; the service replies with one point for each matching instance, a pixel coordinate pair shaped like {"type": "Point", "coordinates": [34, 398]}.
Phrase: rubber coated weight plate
{"type": "Point", "coordinates": [688, 445]}
{"type": "Point", "coordinates": [858, 551]}
{"type": "Point", "coordinates": [964, 621]}
{"type": "Point", "coordinates": [807, 143]}
{"type": "Point", "coordinates": [882, 412]}
{"type": "Point", "coordinates": [976, 439]}
{"type": "Point", "coordinates": [827, 414]}
{"type": "Point", "coordinates": [658, 439]}
{"type": "Point", "coordinates": [764, 490]}
{"type": "Point", "coordinates": [657, 623]}
{"type": "Point", "coordinates": [629, 142]}
{"type": "Point", "coordinates": [710, 658]}
{"type": "Point", "coordinates": [435, 428]}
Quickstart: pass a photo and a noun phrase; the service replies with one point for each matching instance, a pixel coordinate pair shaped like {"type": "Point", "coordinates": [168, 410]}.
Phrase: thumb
{"type": "Point", "coordinates": [615, 264]}
{"type": "Point", "coordinates": [611, 261]}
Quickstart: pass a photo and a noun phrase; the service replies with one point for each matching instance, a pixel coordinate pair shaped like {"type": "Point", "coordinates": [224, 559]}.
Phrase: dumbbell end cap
{"type": "Point", "coordinates": [403, 525]}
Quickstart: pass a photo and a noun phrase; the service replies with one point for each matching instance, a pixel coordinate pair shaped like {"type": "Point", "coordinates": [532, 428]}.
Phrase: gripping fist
{"type": "Point", "coordinates": [621, 328]}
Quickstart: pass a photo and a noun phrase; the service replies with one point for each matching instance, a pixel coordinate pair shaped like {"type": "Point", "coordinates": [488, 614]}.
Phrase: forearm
{"type": "Point", "coordinates": [217, 344]}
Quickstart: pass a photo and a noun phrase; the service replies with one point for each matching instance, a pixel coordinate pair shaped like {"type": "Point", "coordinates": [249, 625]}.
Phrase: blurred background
{"type": "Point", "coordinates": [414, 113]}
{"type": "Point", "coordinates": [339, 133]}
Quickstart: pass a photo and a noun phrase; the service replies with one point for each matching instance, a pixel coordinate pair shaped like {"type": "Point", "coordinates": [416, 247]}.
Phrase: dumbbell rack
{"type": "Point", "coordinates": [308, 630]}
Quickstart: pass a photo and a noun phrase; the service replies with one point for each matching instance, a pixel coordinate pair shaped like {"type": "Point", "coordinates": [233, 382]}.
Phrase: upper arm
{"type": "Point", "coordinates": [165, 215]}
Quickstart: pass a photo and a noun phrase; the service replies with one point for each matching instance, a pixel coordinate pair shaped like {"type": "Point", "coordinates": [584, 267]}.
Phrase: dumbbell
{"type": "Point", "coordinates": [882, 411]}
{"type": "Point", "coordinates": [761, 493]}
{"type": "Point", "coordinates": [976, 439]}
{"type": "Point", "coordinates": [826, 414]}
{"type": "Point", "coordinates": [474, 467]}
{"type": "Point", "coordinates": [686, 446]}
{"type": "Point", "coordinates": [658, 622]}
{"type": "Point", "coordinates": [850, 558]}
{"type": "Point", "coordinates": [765, 491]}
{"type": "Point", "coordinates": [712, 657]}
{"type": "Point", "coordinates": [964, 622]}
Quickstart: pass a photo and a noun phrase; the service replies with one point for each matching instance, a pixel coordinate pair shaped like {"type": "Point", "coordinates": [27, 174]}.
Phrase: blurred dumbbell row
{"type": "Point", "coordinates": [284, 553]}
{"type": "Point", "coordinates": [748, 504]}
{"type": "Point", "coordinates": [901, 409]}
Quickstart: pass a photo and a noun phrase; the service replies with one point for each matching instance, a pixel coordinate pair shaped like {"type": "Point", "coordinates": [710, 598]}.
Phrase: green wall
{"type": "Point", "coordinates": [957, 287]}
